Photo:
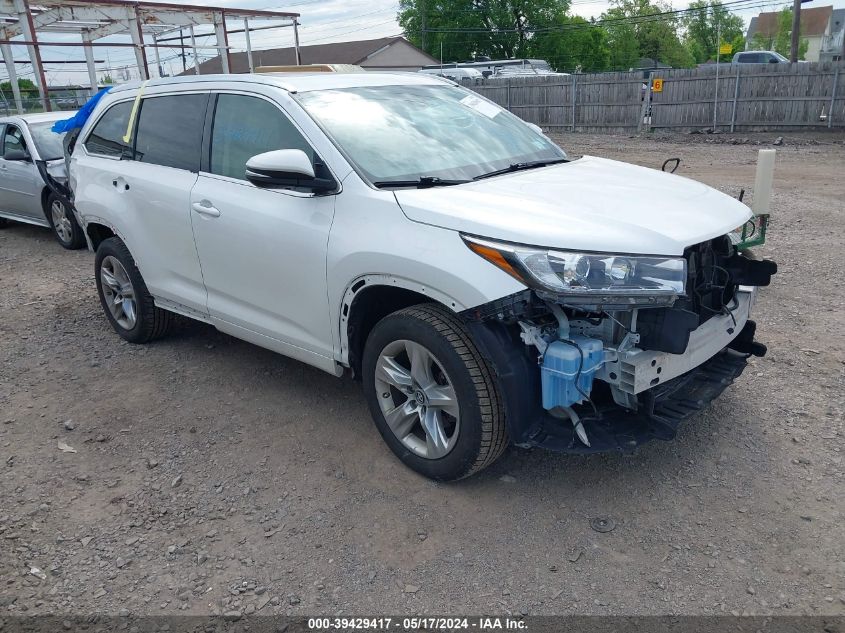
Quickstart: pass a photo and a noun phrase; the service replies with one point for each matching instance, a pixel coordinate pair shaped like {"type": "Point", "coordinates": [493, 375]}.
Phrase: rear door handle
{"type": "Point", "coordinates": [205, 208]}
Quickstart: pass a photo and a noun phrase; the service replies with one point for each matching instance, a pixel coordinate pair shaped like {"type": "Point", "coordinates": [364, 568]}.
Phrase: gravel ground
{"type": "Point", "coordinates": [210, 476]}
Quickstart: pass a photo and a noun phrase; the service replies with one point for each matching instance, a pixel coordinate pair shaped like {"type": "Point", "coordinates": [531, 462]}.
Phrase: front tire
{"type": "Point", "coordinates": [128, 305]}
{"type": "Point", "coordinates": [66, 229]}
{"type": "Point", "coordinates": [432, 395]}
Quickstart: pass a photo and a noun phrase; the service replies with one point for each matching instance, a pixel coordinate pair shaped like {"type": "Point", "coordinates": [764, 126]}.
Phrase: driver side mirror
{"type": "Point", "coordinates": [16, 155]}
{"type": "Point", "coordinates": [772, 60]}
{"type": "Point", "coordinates": [286, 168]}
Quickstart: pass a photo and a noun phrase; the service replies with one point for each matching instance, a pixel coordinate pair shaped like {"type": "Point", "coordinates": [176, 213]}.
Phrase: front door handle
{"type": "Point", "coordinates": [205, 208]}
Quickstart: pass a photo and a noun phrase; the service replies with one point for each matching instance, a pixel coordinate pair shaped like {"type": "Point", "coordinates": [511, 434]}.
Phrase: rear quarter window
{"type": "Point", "coordinates": [170, 131]}
{"type": "Point", "coordinates": [107, 136]}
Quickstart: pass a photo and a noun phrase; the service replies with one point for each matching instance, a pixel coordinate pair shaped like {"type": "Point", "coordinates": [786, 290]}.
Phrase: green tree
{"type": "Point", "coordinates": [639, 28]}
{"type": "Point", "coordinates": [25, 85]}
{"type": "Point", "coordinates": [781, 40]}
{"type": "Point", "coordinates": [500, 28]}
{"type": "Point", "coordinates": [107, 80]}
{"type": "Point", "coordinates": [705, 19]}
{"type": "Point", "coordinates": [577, 46]}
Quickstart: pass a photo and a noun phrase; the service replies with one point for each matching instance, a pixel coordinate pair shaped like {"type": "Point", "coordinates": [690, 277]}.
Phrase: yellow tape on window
{"type": "Point", "coordinates": [134, 113]}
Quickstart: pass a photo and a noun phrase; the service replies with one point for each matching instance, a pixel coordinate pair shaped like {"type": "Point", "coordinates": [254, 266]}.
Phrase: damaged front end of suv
{"type": "Point", "coordinates": [606, 351]}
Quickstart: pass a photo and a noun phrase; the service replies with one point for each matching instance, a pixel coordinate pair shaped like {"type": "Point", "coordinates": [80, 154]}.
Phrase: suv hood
{"type": "Point", "coordinates": [590, 204]}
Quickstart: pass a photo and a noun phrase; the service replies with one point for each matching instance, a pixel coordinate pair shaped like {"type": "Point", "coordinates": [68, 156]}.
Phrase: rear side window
{"type": "Point", "coordinates": [107, 136]}
{"type": "Point", "coordinates": [245, 126]}
{"type": "Point", "coordinates": [170, 131]}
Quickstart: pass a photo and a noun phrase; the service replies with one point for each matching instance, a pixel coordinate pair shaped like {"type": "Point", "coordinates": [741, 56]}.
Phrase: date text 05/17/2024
{"type": "Point", "coordinates": [418, 623]}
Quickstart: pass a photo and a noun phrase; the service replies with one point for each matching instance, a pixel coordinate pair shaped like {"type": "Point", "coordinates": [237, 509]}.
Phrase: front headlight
{"type": "Point", "coordinates": [589, 278]}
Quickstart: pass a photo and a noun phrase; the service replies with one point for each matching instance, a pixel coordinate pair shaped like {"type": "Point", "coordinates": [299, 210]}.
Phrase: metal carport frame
{"type": "Point", "coordinates": [96, 19]}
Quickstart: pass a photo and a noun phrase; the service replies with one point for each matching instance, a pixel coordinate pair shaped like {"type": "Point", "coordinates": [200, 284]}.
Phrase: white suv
{"type": "Point", "coordinates": [396, 227]}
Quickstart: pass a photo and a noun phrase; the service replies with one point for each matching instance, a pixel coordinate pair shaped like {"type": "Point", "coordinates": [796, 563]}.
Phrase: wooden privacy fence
{"type": "Point", "coordinates": [745, 97]}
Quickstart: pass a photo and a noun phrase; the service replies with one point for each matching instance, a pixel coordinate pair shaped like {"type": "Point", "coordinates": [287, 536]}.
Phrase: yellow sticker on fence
{"type": "Point", "coordinates": [657, 84]}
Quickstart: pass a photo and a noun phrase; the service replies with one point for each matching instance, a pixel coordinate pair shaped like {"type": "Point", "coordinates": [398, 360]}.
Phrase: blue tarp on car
{"type": "Point", "coordinates": [79, 119]}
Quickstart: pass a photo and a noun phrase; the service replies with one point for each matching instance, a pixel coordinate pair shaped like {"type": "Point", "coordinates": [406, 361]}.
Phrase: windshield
{"type": "Point", "coordinates": [408, 132]}
{"type": "Point", "coordinates": [48, 143]}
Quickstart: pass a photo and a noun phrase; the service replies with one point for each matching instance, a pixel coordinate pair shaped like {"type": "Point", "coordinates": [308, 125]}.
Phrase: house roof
{"type": "Point", "coordinates": [354, 52]}
{"type": "Point", "coordinates": [814, 22]}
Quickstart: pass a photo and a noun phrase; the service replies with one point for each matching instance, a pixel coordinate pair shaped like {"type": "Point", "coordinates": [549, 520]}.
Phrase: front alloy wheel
{"type": "Point", "coordinates": [432, 395]}
{"type": "Point", "coordinates": [417, 399]}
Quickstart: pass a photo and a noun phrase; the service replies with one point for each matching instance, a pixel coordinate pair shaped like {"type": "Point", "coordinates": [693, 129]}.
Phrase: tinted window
{"type": "Point", "coordinates": [13, 140]}
{"type": "Point", "coordinates": [246, 126]}
{"type": "Point", "coordinates": [170, 131]}
{"type": "Point", "coordinates": [107, 136]}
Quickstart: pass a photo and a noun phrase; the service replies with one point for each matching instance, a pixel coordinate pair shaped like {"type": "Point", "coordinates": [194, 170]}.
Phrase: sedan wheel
{"type": "Point", "coordinates": [118, 292]}
{"type": "Point", "coordinates": [417, 399]}
{"type": "Point", "coordinates": [61, 221]}
{"type": "Point", "coordinates": [65, 227]}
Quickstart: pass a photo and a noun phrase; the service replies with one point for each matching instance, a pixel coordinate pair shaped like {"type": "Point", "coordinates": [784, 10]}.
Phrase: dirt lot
{"type": "Point", "coordinates": [212, 476]}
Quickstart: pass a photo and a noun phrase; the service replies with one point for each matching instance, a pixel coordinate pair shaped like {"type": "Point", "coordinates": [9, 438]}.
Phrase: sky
{"type": "Point", "coordinates": [321, 21]}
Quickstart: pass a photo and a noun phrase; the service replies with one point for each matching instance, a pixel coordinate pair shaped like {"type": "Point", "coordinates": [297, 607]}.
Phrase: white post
{"type": "Point", "coordinates": [194, 48]}
{"type": "Point", "coordinates": [222, 45]}
{"type": "Point", "coordinates": [248, 46]}
{"type": "Point", "coordinates": [763, 181]}
{"type": "Point", "coordinates": [13, 75]}
{"type": "Point", "coordinates": [137, 35]}
{"type": "Point", "coordinates": [718, 46]}
{"type": "Point", "coordinates": [158, 57]}
{"type": "Point", "coordinates": [89, 61]}
{"type": "Point", "coordinates": [296, 41]}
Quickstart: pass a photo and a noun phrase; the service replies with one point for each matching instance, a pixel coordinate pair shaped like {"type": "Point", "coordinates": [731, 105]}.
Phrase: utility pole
{"type": "Point", "coordinates": [182, 44]}
{"type": "Point", "coordinates": [424, 25]}
{"type": "Point", "coordinates": [796, 31]}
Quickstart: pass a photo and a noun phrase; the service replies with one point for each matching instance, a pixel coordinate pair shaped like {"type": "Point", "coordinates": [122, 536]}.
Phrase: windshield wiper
{"type": "Point", "coordinates": [422, 182]}
{"type": "Point", "coordinates": [520, 166]}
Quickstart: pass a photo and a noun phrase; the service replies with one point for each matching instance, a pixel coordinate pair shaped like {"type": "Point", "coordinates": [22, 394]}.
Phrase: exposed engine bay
{"type": "Point", "coordinates": [594, 358]}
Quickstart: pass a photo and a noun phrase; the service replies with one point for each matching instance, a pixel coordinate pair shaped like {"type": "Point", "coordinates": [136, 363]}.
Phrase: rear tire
{"type": "Point", "coordinates": [423, 372]}
{"type": "Point", "coordinates": [128, 305]}
{"type": "Point", "coordinates": [62, 220]}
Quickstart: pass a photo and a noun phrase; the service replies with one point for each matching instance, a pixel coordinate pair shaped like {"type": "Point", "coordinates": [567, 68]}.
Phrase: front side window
{"type": "Point", "coordinates": [107, 136]}
{"type": "Point", "coordinates": [13, 140]}
{"type": "Point", "coordinates": [399, 133]}
{"type": "Point", "coordinates": [170, 131]}
{"type": "Point", "coordinates": [245, 126]}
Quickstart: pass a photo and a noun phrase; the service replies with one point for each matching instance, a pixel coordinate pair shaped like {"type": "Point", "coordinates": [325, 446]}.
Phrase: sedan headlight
{"type": "Point", "coordinates": [605, 279]}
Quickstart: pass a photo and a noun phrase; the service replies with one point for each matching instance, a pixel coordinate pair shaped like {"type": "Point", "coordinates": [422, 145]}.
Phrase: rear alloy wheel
{"type": "Point", "coordinates": [64, 224]}
{"type": "Point", "coordinates": [118, 292]}
{"type": "Point", "coordinates": [129, 306]}
{"type": "Point", "coordinates": [431, 394]}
